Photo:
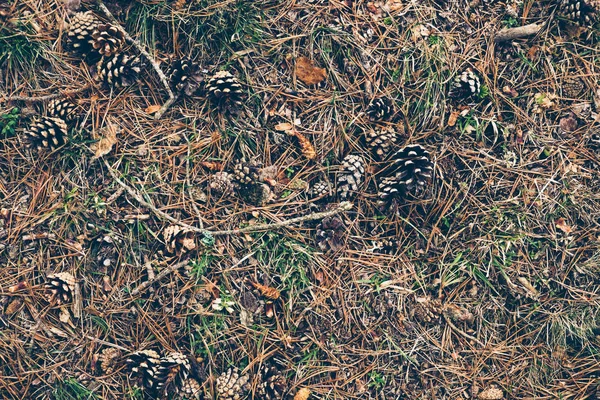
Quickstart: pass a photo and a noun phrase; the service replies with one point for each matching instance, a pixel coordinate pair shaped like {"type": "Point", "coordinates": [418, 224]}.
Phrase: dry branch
{"type": "Point", "coordinates": [508, 34]}
{"type": "Point", "coordinates": [48, 97]}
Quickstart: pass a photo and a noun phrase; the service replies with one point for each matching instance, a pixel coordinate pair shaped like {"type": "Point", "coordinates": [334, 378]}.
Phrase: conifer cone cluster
{"type": "Point", "coordinates": [60, 287]}
{"type": "Point", "coordinates": [409, 171]}
{"type": "Point", "coordinates": [381, 141]}
{"type": "Point", "coordinates": [107, 39]}
{"type": "Point", "coordinates": [466, 85]}
{"type": "Point", "coordinates": [580, 12]}
{"type": "Point", "coordinates": [185, 76]}
{"type": "Point", "coordinates": [380, 109]}
{"type": "Point", "coordinates": [230, 385]}
{"type": "Point", "coordinates": [80, 31]}
{"type": "Point", "coordinates": [120, 70]}
{"type": "Point", "coordinates": [351, 176]}
{"type": "Point", "coordinates": [47, 133]}
{"type": "Point", "coordinates": [224, 89]}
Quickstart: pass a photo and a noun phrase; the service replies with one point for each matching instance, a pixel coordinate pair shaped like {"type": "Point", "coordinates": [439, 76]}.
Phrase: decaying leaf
{"type": "Point", "coordinates": [267, 291]}
{"type": "Point", "coordinates": [107, 141]}
{"type": "Point", "coordinates": [212, 165]}
{"type": "Point", "coordinates": [179, 240]}
{"type": "Point", "coordinates": [561, 224]}
{"type": "Point", "coordinates": [308, 73]}
{"type": "Point", "coordinates": [152, 109]}
{"type": "Point", "coordinates": [284, 127]}
{"type": "Point", "coordinates": [306, 146]}
{"type": "Point", "coordinates": [303, 394]}
{"type": "Point", "coordinates": [453, 118]}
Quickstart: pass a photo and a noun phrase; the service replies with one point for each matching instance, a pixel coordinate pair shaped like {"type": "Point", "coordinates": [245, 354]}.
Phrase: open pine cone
{"type": "Point", "coordinates": [351, 176]}
{"type": "Point", "coordinates": [119, 70]}
{"type": "Point", "coordinates": [108, 360]}
{"type": "Point", "coordinates": [171, 372]}
{"type": "Point", "coordinates": [380, 109]}
{"type": "Point", "coordinates": [190, 390]}
{"type": "Point", "coordinates": [410, 170]}
{"type": "Point", "coordinates": [179, 240]}
{"type": "Point", "coordinates": [60, 287]}
{"type": "Point", "coordinates": [231, 385]}
{"type": "Point", "coordinates": [320, 189]}
{"type": "Point", "coordinates": [224, 88]}
{"type": "Point", "coordinates": [580, 12]}
{"type": "Point", "coordinates": [48, 132]}
{"type": "Point", "coordinates": [185, 76]}
{"type": "Point", "coordinates": [143, 365]}
{"type": "Point", "coordinates": [466, 85]}
{"type": "Point", "coordinates": [245, 173]}
{"type": "Point", "coordinates": [381, 141]}
{"type": "Point", "coordinates": [80, 31]}
{"type": "Point", "coordinates": [107, 39]}
{"type": "Point", "coordinates": [220, 183]}
{"type": "Point", "coordinates": [330, 233]}
{"type": "Point", "coordinates": [427, 310]}
{"type": "Point", "coordinates": [272, 384]}
{"type": "Point", "coordinates": [63, 109]}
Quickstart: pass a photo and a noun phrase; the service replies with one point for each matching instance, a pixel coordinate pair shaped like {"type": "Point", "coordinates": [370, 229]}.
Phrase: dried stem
{"type": "Point", "coordinates": [517, 32]}
{"type": "Point", "coordinates": [53, 96]}
{"type": "Point", "coordinates": [151, 60]}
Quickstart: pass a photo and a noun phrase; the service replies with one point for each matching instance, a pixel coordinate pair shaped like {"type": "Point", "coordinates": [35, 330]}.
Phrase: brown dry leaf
{"type": "Point", "coordinates": [303, 394]}
{"type": "Point", "coordinates": [267, 291]}
{"type": "Point", "coordinates": [308, 73]}
{"type": "Point", "coordinates": [453, 118]}
{"type": "Point", "coordinates": [152, 109]}
{"type": "Point", "coordinates": [306, 146]}
{"type": "Point", "coordinates": [510, 91]}
{"type": "Point", "coordinates": [212, 165]}
{"type": "Point", "coordinates": [284, 127]}
{"type": "Point", "coordinates": [568, 124]}
{"type": "Point", "coordinates": [13, 306]}
{"type": "Point", "coordinates": [561, 224]}
{"type": "Point", "coordinates": [106, 142]}
{"type": "Point", "coordinates": [532, 52]}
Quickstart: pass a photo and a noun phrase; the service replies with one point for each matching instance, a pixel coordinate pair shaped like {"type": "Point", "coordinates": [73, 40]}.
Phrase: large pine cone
{"type": "Point", "coordinates": [48, 132]}
{"type": "Point", "coordinates": [119, 70]}
{"type": "Point", "coordinates": [224, 88]}
{"type": "Point", "coordinates": [185, 76]}
{"type": "Point", "coordinates": [231, 386]}
{"type": "Point", "coordinates": [410, 170]}
{"type": "Point", "coordinates": [466, 85]}
{"type": "Point", "coordinates": [581, 12]}
{"type": "Point", "coordinates": [143, 365]}
{"type": "Point", "coordinates": [381, 141]}
{"type": "Point", "coordinates": [272, 385]}
{"type": "Point", "coordinates": [60, 287]}
{"type": "Point", "coordinates": [80, 31]}
{"type": "Point", "coordinates": [63, 109]}
{"type": "Point", "coordinates": [351, 176]}
{"type": "Point", "coordinates": [107, 39]}
{"type": "Point", "coordinates": [171, 372]}
{"type": "Point", "coordinates": [380, 109]}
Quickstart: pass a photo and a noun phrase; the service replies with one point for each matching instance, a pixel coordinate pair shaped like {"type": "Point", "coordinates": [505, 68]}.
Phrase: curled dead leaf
{"type": "Point", "coordinates": [284, 127]}
{"type": "Point", "coordinates": [561, 224]}
{"type": "Point", "coordinates": [303, 394]}
{"type": "Point", "coordinates": [267, 291]}
{"type": "Point", "coordinates": [308, 73]}
{"type": "Point", "coordinates": [152, 109]}
{"type": "Point", "coordinates": [453, 118]}
{"type": "Point", "coordinates": [106, 142]}
{"type": "Point", "coordinates": [306, 146]}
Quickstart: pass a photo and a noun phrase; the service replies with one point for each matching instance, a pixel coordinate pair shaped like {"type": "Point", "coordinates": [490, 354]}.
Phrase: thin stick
{"type": "Point", "coordinates": [147, 55]}
{"type": "Point", "coordinates": [517, 32]}
{"type": "Point", "coordinates": [460, 332]}
{"type": "Point", "coordinates": [53, 96]}
{"type": "Point", "coordinates": [158, 277]}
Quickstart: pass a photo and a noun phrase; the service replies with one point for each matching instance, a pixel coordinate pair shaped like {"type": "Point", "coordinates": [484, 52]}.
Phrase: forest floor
{"type": "Point", "coordinates": [486, 285]}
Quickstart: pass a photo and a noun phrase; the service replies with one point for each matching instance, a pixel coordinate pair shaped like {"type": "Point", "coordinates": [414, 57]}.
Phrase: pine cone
{"type": "Point", "coordinates": [220, 183]}
{"type": "Point", "coordinates": [320, 189]}
{"type": "Point", "coordinates": [119, 70]}
{"type": "Point", "coordinates": [466, 85]}
{"type": "Point", "coordinates": [107, 39]}
{"type": "Point", "coordinates": [572, 88]}
{"type": "Point", "coordinates": [580, 12]}
{"type": "Point", "coordinates": [108, 360]}
{"type": "Point", "coordinates": [179, 240]}
{"type": "Point", "coordinates": [185, 76]}
{"type": "Point", "coordinates": [223, 88]}
{"type": "Point", "coordinates": [330, 233]}
{"type": "Point", "coordinates": [491, 393]}
{"type": "Point", "coordinates": [80, 31]}
{"type": "Point", "coordinates": [380, 109]}
{"type": "Point", "coordinates": [351, 175]}
{"type": "Point", "coordinates": [143, 364]}
{"type": "Point", "coordinates": [409, 171]}
{"type": "Point", "coordinates": [48, 132]}
{"type": "Point", "coordinates": [60, 287]}
{"type": "Point", "coordinates": [245, 173]}
{"type": "Point", "coordinates": [427, 310]}
{"type": "Point", "coordinates": [386, 246]}
{"type": "Point", "coordinates": [63, 109]}
{"type": "Point", "coordinates": [272, 384]}
{"type": "Point", "coordinates": [231, 386]}
{"type": "Point", "coordinates": [171, 372]}
{"type": "Point", "coordinates": [190, 390]}
{"type": "Point", "coordinates": [381, 141]}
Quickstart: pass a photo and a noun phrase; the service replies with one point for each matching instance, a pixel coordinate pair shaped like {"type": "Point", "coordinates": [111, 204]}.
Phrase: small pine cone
{"type": "Point", "coordinates": [410, 170]}
{"type": "Point", "coordinates": [220, 183]}
{"type": "Point", "coordinates": [179, 240]}
{"type": "Point", "coordinates": [63, 109]}
{"type": "Point", "coordinates": [107, 39]}
{"type": "Point", "coordinates": [80, 31]}
{"type": "Point", "coordinates": [330, 234]}
{"type": "Point", "coordinates": [231, 386]}
{"type": "Point", "coordinates": [491, 393]}
{"type": "Point", "coordinates": [320, 189]}
{"type": "Point", "coordinates": [272, 384]}
{"type": "Point", "coordinates": [119, 70]}
{"type": "Point", "coordinates": [60, 287]}
{"type": "Point", "coordinates": [143, 364]}
{"type": "Point", "coordinates": [381, 141]}
{"type": "Point", "coordinates": [427, 310]}
{"type": "Point", "coordinates": [580, 12]}
{"type": "Point", "coordinates": [351, 176]}
{"type": "Point", "coordinates": [108, 360]}
{"type": "Point", "coordinates": [572, 88]}
{"type": "Point", "coordinates": [593, 141]}
{"type": "Point", "coordinates": [386, 246]}
{"type": "Point", "coordinates": [246, 173]}
{"type": "Point", "coordinates": [48, 132]}
{"type": "Point", "coordinates": [185, 76]}
{"type": "Point", "coordinates": [172, 371]}
{"type": "Point", "coordinates": [190, 390]}
{"type": "Point", "coordinates": [257, 194]}
{"type": "Point", "coordinates": [380, 109]}
{"type": "Point", "coordinates": [466, 85]}
{"type": "Point", "coordinates": [223, 87]}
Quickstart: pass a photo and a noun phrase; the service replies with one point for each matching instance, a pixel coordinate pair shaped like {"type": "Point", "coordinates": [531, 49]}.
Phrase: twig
{"type": "Point", "coordinates": [460, 332]}
{"type": "Point", "coordinates": [147, 55]}
{"type": "Point", "coordinates": [342, 207]}
{"type": "Point", "coordinates": [507, 34]}
{"type": "Point", "coordinates": [53, 96]}
{"type": "Point", "coordinates": [158, 277]}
